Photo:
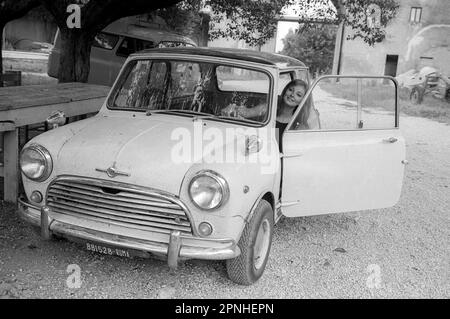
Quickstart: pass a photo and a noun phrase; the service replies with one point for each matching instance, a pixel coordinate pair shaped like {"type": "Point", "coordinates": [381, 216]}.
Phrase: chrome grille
{"type": "Point", "coordinates": [118, 204]}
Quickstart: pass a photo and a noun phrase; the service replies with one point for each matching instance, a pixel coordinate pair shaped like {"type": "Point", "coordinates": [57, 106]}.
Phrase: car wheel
{"type": "Point", "coordinates": [415, 97]}
{"type": "Point", "coordinates": [255, 244]}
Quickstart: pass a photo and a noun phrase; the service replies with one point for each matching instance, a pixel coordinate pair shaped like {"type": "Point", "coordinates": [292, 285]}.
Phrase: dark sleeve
{"type": "Point", "coordinates": [279, 100]}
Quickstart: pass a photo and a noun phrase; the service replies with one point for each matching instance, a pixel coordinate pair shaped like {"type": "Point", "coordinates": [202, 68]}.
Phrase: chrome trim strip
{"type": "Point", "coordinates": [255, 204]}
{"type": "Point", "coordinates": [23, 201]}
{"type": "Point", "coordinates": [174, 249]}
{"type": "Point", "coordinates": [45, 223]}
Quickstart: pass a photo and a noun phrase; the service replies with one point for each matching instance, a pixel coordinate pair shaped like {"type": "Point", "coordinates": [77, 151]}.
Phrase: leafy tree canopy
{"type": "Point", "coordinates": [255, 21]}
{"type": "Point", "coordinates": [313, 44]}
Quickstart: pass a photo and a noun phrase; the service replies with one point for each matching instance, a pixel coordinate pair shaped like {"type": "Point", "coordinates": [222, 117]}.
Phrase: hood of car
{"type": "Point", "coordinates": [154, 151]}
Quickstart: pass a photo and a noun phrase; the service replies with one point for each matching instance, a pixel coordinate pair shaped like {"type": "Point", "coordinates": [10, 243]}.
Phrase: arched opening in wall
{"type": "Point", "coordinates": [391, 65]}
{"type": "Point", "coordinates": [436, 57]}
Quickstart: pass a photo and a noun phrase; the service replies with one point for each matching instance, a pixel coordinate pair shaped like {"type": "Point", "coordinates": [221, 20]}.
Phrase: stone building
{"type": "Point", "coordinates": [419, 36]}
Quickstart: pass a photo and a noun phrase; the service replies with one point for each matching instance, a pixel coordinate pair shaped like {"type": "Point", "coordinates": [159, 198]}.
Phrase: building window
{"type": "Point", "coordinates": [416, 14]}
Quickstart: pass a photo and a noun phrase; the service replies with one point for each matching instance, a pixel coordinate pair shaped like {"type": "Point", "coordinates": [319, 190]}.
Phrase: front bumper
{"type": "Point", "coordinates": [175, 247]}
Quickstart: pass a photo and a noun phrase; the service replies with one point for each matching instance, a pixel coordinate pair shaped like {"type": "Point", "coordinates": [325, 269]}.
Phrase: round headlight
{"type": "Point", "coordinates": [208, 190]}
{"type": "Point", "coordinates": [36, 163]}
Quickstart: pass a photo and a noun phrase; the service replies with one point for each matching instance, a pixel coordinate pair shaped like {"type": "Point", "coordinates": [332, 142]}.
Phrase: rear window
{"type": "Point", "coordinates": [236, 79]}
{"type": "Point", "coordinates": [105, 41]}
{"type": "Point", "coordinates": [132, 45]}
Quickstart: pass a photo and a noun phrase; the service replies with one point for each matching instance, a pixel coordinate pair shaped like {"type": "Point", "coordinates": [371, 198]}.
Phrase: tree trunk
{"type": "Point", "coordinates": [2, 26]}
{"type": "Point", "coordinates": [75, 55]}
{"type": "Point", "coordinates": [337, 58]}
{"type": "Point", "coordinates": [204, 30]}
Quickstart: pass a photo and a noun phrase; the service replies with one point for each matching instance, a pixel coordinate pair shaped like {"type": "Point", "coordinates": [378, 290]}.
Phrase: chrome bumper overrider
{"type": "Point", "coordinates": [178, 246]}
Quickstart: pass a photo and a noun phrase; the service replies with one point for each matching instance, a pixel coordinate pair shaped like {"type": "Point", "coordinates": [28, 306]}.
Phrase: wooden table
{"type": "Point", "coordinates": [26, 105]}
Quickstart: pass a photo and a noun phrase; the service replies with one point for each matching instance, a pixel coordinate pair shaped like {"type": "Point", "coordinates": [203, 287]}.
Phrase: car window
{"type": "Point", "coordinates": [105, 40]}
{"type": "Point", "coordinates": [208, 88]}
{"type": "Point", "coordinates": [238, 79]}
{"type": "Point", "coordinates": [184, 78]}
{"type": "Point", "coordinates": [350, 104]}
{"type": "Point", "coordinates": [144, 84]}
{"type": "Point", "coordinates": [131, 45]}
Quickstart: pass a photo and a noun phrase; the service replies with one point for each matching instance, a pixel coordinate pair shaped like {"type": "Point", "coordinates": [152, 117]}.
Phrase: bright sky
{"type": "Point", "coordinates": [283, 29]}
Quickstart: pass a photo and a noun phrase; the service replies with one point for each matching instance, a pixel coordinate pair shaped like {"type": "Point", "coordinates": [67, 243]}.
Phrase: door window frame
{"type": "Point", "coordinates": [311, 88]}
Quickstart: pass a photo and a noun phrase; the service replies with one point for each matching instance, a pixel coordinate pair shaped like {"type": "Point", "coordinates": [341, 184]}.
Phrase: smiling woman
{"type": "Point", "coordinates": [288, 102]}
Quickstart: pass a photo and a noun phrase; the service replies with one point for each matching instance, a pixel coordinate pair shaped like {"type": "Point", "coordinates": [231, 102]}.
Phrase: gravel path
{"type": "Point", "coordinates": [398, 252]}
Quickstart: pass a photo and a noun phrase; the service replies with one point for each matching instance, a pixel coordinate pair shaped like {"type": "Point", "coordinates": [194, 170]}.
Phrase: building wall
{"type": "Point", "coordinates": [416, 44]}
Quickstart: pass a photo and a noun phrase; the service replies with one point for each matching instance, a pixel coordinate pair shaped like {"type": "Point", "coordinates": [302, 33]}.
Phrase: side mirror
{"type": "Point", "coordinates": [57, 118]}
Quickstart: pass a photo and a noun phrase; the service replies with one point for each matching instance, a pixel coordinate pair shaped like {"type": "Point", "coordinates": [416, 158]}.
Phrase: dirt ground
{"type": "Point", "coordinates": [400, 252]}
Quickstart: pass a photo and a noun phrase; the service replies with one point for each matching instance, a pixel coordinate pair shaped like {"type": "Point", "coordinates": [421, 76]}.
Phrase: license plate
{"type": "Point", "coordinates": [112, 251]}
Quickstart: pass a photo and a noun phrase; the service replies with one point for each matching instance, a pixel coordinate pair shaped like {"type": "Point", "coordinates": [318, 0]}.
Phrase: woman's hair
{"type": "Point", "coordinates": [304, 113]}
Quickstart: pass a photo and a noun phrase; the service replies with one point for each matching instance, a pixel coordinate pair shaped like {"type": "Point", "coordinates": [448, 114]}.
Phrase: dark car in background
{"type": "Point", "coordinates": [114, 44]}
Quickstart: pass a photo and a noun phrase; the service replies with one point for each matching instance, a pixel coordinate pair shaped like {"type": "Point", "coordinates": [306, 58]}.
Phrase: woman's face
{"type": "Point", "coordinates": [294, 95]}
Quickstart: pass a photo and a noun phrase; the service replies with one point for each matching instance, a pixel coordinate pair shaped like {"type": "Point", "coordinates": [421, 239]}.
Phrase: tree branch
{"type": "Point", "coordinates": [14, 9]}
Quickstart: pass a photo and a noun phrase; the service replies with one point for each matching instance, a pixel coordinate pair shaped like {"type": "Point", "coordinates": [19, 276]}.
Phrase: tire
{"type": "Point", "coordinates": [416, 96]}
{"type": "Point", "coordinates": [254, 243]}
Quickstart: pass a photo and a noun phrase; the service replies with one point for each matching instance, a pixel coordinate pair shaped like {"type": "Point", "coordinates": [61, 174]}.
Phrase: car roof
{"type": "Point", "coordinates": [155, 35]}
{"type": "Point", "coordinates": [267, 58]}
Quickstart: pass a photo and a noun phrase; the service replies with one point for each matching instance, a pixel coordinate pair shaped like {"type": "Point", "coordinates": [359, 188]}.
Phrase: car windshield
{"type": "Point", "coordinates": [202, 89]}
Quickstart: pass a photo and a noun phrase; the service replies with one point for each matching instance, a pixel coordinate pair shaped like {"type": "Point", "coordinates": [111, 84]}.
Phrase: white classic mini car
{"type": "Point", "coordinates": [170, 167]}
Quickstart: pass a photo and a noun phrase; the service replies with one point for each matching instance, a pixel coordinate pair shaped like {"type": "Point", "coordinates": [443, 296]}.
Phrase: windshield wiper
{"type": "Point", "coordinates": [202, 115]}
{"type": "Point", "coordinates": [237, 119]}
{"type": "Point", "coordinates": [197, 114]}
{"type": "Point", "coordinates": [151, 112]}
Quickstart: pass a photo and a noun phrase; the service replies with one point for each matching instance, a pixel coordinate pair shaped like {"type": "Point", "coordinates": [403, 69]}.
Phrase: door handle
{"type": "Point", "coordinates": [291, 155]}
{"type": "Point", "coordinates": [390, 140]}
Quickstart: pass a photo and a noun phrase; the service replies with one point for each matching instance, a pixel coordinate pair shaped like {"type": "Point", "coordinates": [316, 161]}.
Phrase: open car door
{"type": "Point", "coordinates": [355, 161]}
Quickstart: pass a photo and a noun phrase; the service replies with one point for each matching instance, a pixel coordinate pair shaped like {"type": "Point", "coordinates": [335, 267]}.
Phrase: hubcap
{"type": "Point", "coordinates": [261, 244]}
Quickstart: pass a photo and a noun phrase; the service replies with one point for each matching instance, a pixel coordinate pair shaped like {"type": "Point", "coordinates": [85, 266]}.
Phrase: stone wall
{"type": "Point", "coordinates": [416, 44]}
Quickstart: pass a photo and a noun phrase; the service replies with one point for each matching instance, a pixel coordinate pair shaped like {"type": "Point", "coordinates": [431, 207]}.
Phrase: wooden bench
{"type": "Point", "coordinates": [26, 105]}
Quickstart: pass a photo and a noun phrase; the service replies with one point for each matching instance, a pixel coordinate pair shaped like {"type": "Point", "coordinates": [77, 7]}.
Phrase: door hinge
{"type": "Point", "coordinates": [288, 204]}
{"type": "Point", "coordinates": [290, 155]}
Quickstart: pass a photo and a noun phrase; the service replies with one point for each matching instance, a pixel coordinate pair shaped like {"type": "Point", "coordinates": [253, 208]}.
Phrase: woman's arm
{"type": "Point", "coordinates": [242, 110]}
